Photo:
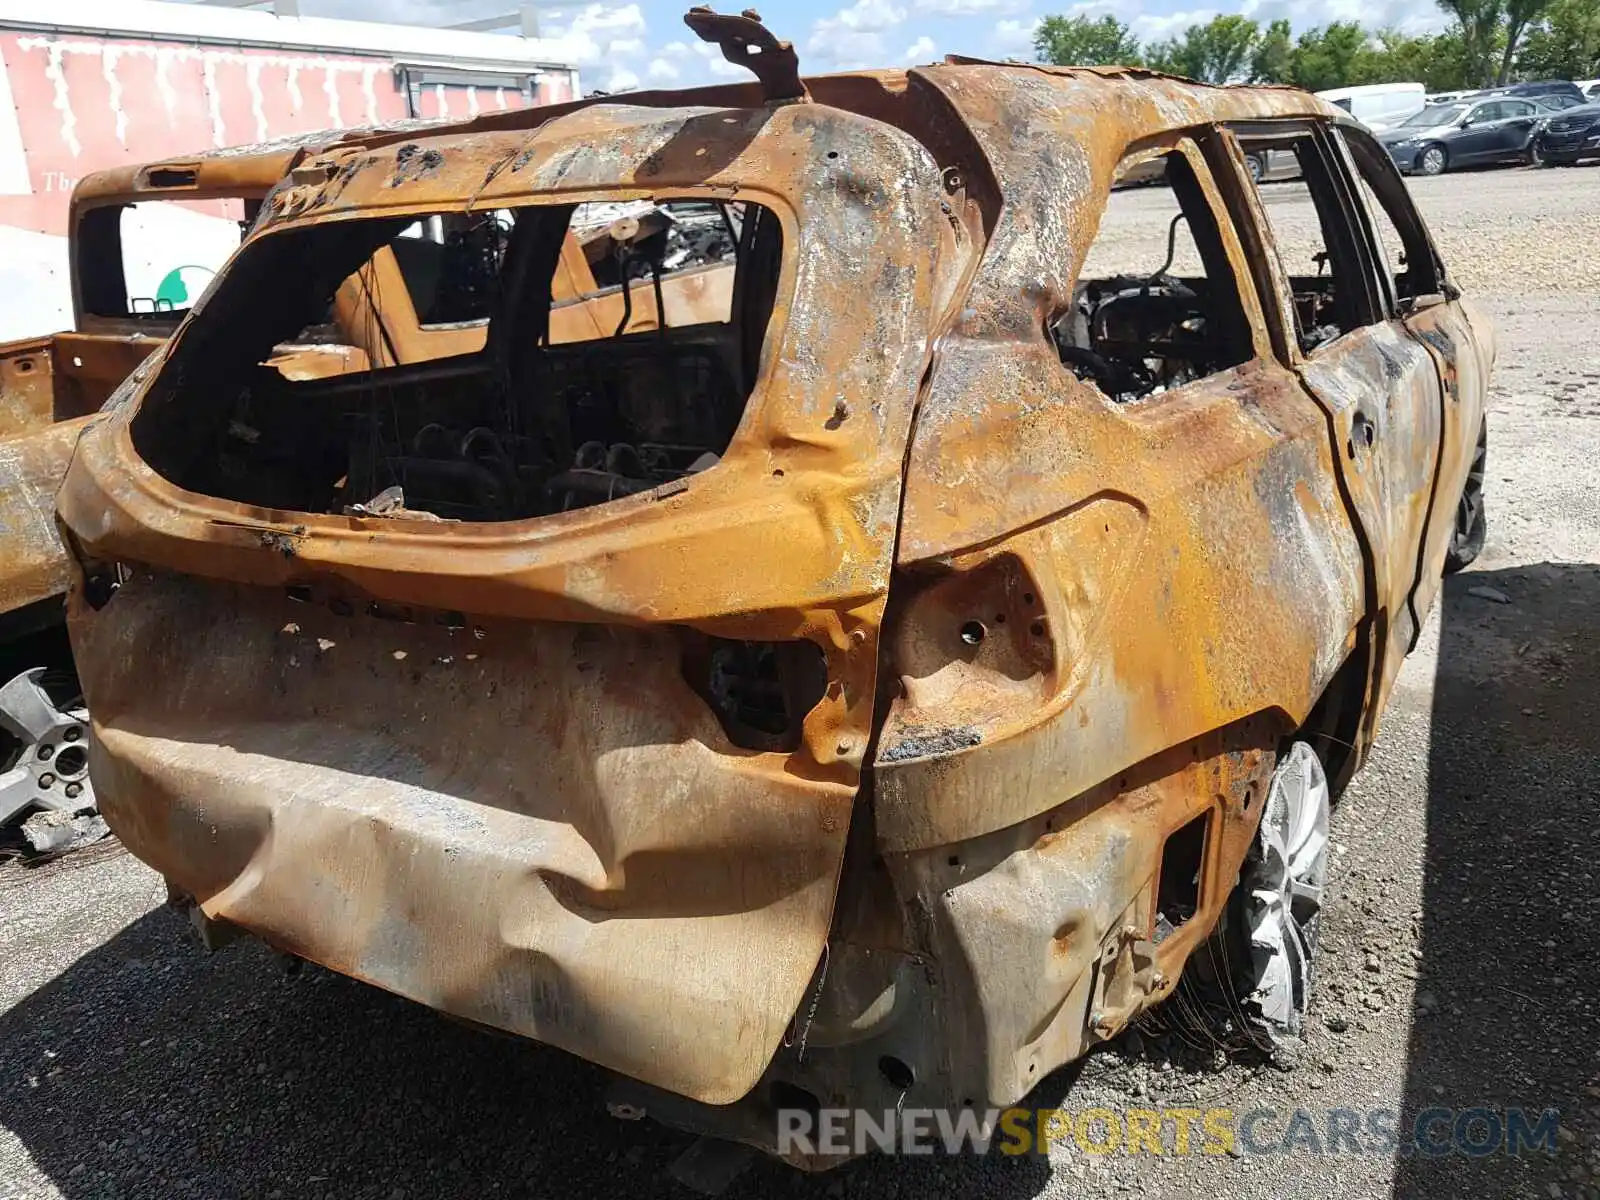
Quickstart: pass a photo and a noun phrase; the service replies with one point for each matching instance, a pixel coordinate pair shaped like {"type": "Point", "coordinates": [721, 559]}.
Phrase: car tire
{"type": "Point", "coordinates": [1432, 160]}
{"type": "Point", "coordinates": [1277, 904]}
{"type": "Point", "coordinates": [1471, 521]}
{"type": "Point", "coordinates": [1257, 167]}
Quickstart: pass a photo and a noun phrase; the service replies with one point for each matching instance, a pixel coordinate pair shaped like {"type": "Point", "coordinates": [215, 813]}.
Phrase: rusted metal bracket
{"type": "Point", "coordinates": [746, 42]}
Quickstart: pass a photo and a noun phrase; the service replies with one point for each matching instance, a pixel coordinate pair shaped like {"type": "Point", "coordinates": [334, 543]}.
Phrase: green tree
{"type": "Point", "coordinates": [1482, 24]}
{"type": "Point", "coordinates": [1400, 58]}
{"type": "Point", "coordinates": [1273, 59]}
{"type": "Point", "coordinates": [1488, 39]}
{"type": "Point", "coordinates": [1336, 56]}
{"type": "Point", "coordinates": [1565, 44]}
{"type": "Point", "coordinates": [1520, 14]}
{"type": "Point", "coordinates": [1216, 52]}
{"type": "Point", "coordinates": [1081, 42]}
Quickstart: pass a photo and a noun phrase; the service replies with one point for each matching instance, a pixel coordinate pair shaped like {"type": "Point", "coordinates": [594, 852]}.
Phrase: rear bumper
{"type": "Point", "coordinates": [542, 829]}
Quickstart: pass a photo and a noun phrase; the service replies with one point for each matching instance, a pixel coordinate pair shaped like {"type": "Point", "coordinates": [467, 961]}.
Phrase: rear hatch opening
{"type": "Point", "coordinates": [502, 365]}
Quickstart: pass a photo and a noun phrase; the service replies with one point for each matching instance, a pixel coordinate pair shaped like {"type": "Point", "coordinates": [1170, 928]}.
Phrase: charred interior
{"type": "Point", "coordinates": [1138, 333]}
{"type": "Point", "coordinates": [529, 424]}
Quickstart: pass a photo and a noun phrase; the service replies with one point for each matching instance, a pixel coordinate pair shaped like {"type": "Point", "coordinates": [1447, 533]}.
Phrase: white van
{"type": "Point", "coordinates": [1379, 105]}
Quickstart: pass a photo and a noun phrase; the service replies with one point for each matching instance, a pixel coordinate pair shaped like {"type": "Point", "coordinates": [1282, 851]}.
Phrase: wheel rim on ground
{"type": "Point", "coordinates": [1432, 161]}
{"type": "Point", "coordinates": [51, 770]}
{"type": "Point", "coordinates": [1469, 509]}
{"type": "Point", "coordinates": [1283, 882]}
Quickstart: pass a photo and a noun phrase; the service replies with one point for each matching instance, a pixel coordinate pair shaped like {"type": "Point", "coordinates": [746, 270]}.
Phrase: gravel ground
{"type": "Point", "coordinates": [1459, 966]}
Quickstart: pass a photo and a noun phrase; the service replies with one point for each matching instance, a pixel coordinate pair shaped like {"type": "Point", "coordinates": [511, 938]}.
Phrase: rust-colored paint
{"type": "Point", "coordinates": [33, 564]}
{"type": "Point", "coordinates": [1067, 627]}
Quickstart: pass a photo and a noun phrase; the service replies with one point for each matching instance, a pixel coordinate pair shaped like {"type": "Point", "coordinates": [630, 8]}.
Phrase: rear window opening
{"type": "Point", "coordinates": [492, 366]}
{"type": "Point", "coordinates": [150, 260]}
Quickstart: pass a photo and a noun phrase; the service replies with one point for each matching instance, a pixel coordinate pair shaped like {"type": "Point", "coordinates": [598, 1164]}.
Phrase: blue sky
{"type": "Point", "coordinates": [644, 43]}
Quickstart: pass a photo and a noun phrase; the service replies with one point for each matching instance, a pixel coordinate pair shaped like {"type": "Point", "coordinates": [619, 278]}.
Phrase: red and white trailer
{"type": "Point", "coordinates": [91, 84]}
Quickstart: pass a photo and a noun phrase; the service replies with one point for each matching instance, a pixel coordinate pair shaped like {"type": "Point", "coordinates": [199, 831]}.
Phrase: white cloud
{"type": "Point", "coordinates": [711, 60]}
{"type": "Point", "coordinates": [870, 16]}
{"type": "Point", "coordinates": [621, 80]}
{"type": "Point", "coordinates": [852, 37]}
{"type": "Point", "coordinates": [1157, 27]}
{"type": "Point", "coordinates": [1013, 38]}
{"type": "Point", "coordinates": [1409, 16]}
{"type": "Point", "coordinates": [610, 39]}
{"type": "Point", "coordinates": [588, 34]}
{"type": "Point", "coordinates": [971, 8]}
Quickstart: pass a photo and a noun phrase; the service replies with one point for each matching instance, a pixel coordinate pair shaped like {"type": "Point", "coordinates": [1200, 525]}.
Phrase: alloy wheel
{"type": "Point", "coordinates": [1471, 521]}
{"type": "Point", "coordinates": [1283, 884]}
{"type": "Point", "coordinates": [50, 769]}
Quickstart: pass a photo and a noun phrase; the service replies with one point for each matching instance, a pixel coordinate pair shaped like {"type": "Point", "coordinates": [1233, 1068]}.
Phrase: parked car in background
{"type": "Point", "coordinates": [1265, 166]}
{"type": "Point", "coordinates": [1379, 106]}
{"type": "Point", "coordinates": [1544, 88]}
{"type": "Point", "coordinates": [1269, 166]}
{"type": "Point", "coordinates": [1466, 133]}
{"type": "Point", "coordinates": [1553, 94]}
{"type": "Point", "coordinates": [1591, 88]}
{"type": "Point", "coordinates": [1570, 136]}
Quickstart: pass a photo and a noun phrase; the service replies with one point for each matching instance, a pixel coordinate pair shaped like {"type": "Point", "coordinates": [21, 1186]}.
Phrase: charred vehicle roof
{"type": "Point", "coordinates": [853, 656]}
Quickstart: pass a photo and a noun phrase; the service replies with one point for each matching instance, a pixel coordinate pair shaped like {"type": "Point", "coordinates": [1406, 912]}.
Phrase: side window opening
{"type": "Point", "coordinates": [1397, 226]}
{"type": "Point", "coordinates": [649, 266]}
{"type": "Point", "coordinates": [150, 260]}
{"type": "Point", "coordinates": [1156, 304]}
{"type": "Point", "coordinates": [1391, 248]}
{"type": "Point", "coordinates": [1328, 262]}
{"type": "Point", "coordinates": [572, 394]}
{"type": "Point", "coordinates": [451, 266]}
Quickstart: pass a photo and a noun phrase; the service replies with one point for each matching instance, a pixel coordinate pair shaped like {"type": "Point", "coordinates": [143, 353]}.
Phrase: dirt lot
{"type": "Point", "coordinates": [1461, 965]}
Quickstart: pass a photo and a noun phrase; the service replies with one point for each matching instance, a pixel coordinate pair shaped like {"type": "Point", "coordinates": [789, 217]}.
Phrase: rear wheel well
{"type": "Point", "coordinates": [1333, 727]}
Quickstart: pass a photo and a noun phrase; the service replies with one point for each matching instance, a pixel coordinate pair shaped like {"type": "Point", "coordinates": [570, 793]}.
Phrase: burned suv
{"type": "Point", "coordinates": [871, 677]}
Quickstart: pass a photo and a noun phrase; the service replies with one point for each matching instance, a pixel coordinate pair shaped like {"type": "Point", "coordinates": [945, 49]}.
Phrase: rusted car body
{"type": "Point", "coordinates": [847, 763]}
{"type": "Point", "coordinates": [50, 385]}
